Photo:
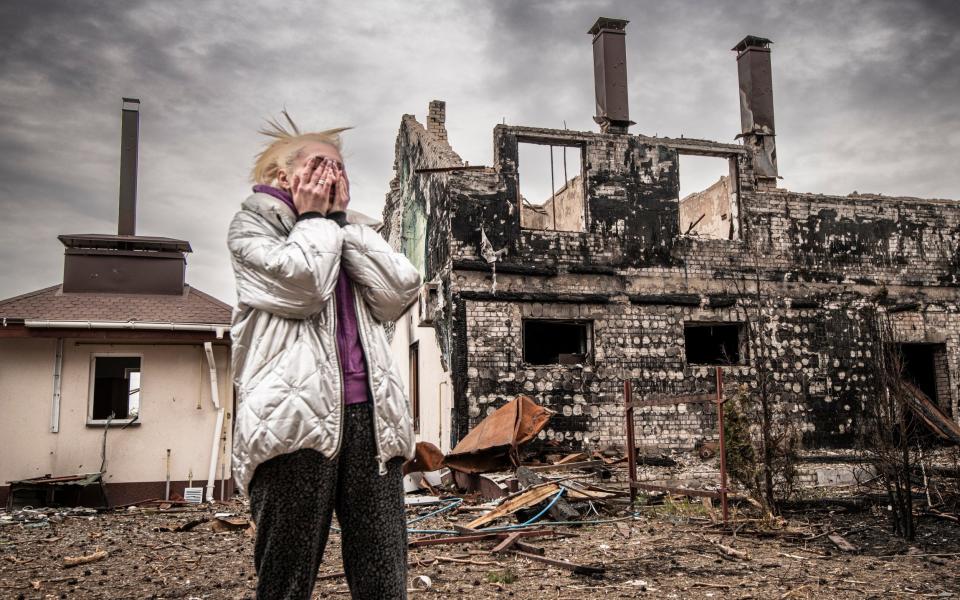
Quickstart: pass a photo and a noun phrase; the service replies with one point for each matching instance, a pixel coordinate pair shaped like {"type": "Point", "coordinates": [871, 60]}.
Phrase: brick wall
{"type": "Point", "coordinates": [807, 272]}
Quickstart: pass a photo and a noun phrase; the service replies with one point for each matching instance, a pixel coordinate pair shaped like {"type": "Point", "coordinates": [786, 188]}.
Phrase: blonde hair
{"type": "Point", "coordinates": [287, 143]}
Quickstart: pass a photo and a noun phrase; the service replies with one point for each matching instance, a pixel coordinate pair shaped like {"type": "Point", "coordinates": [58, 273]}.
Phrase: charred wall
{"type": "Point", "coordinates": [804, 273]}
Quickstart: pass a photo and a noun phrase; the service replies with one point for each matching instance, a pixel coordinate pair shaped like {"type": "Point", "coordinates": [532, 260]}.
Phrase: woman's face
{"type": "Point", "coordinates": [309, 151]}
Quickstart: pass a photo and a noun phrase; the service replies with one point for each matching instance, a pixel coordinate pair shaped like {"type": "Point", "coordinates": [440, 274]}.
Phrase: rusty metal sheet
{"type": "Point", "coordinates": [492, 445]}
{"type": "Point", "coordinates": [486, 487]}
{"type": "Point", "coordinates": [426, 458]}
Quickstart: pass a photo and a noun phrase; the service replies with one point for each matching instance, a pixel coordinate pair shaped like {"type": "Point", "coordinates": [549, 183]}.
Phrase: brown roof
{"type": "Point", "coordinates": [52, 304]}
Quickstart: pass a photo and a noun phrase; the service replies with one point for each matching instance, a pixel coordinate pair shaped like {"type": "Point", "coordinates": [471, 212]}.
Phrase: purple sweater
{"type": "Point", "coordinates": [353, 365]}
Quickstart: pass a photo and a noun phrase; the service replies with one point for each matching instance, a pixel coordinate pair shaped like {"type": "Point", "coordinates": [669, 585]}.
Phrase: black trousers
{"type": "Point", "coordinates": [292, 499]}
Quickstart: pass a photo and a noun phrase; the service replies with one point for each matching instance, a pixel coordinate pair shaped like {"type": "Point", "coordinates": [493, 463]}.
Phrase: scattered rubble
{"type": "Point", "coordinates": [461, 543]}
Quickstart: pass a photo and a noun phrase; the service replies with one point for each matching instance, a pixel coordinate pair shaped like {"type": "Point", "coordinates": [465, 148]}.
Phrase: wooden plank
{"type": "Point", "coordinates": [578, 491]}
{"type": "Point", "coordinates": [585, 464]}
{"type": "Point", "coordinates": [561, 509]}
{"type": "Point", "coordinates": [650, 487]}
{"type": "Point", "coordinates": [841, 543]}
{"type": "Point", "coordinates": [507, 542]}
{"type": "Point", "coordinates": [576, 456]}
{"type": "Point", "coordinates": [930, 414]}
{"type": "Point", "coordinates": [512, 505]}
{"type": "Point", "coordinates": [563, 564]}
{"type": "Point", "coordinates": [478, 537]}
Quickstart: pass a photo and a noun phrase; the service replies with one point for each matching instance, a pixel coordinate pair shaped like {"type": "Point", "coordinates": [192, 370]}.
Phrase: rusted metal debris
{"type": "Point", "coordinates": [492, 445]}
{"type": "Point", "coordinates": [426, 458]}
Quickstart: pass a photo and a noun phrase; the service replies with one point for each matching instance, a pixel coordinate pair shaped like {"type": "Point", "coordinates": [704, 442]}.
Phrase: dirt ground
{"type": "Point", "coordinates": [674, 550]}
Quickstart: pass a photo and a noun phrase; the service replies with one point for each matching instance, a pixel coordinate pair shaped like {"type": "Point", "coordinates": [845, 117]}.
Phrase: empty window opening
{"type": "Point", "coordinates": [550, 178]}
{"type": "Point", "coordinates": [921, 367]}
{"type": "Point", "coordinates": [556, 342]}
{"type": "Point", "coordinates": [116, 388]}
{"type": "Point", "coordinates": [708, 197]}
{"type": "Point", "coordinates": [415, 384]}
{"type": "Point", "coordinates": [714, 343]}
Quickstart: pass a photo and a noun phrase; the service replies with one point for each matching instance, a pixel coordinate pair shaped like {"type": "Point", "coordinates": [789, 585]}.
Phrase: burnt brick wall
{"type": "Point", "coordinates": [808, 272]}
{"type": "Point", "coordinates": [817, 363]}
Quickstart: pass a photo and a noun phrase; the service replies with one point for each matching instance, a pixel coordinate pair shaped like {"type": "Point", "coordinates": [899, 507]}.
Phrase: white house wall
{"type": "Point", "coordinates": [176, 413]}
{"type": "Point", "coordinates": [435, 391]}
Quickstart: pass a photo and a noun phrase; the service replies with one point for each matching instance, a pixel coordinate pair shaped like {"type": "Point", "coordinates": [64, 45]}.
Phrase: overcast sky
{"type": "Point", "coordinates": [867, 98]}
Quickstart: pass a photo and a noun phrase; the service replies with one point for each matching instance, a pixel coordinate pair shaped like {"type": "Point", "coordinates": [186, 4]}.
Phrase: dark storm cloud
{"type": "Point", "coordinates": [865, 95]}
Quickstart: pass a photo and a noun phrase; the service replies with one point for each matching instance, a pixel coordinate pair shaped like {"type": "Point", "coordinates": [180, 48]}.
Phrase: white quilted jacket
{"type": "Point", "coordinates": [286, 368]}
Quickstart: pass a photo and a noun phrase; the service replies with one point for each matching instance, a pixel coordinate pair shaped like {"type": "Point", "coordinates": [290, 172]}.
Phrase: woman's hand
{"type": "Point", "coordinates": [342, 197]}
{"type": "Point", "coordinates": [313, 186]}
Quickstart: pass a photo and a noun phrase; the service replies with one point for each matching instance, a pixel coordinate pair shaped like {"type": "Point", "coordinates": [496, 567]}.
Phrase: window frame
{"type": "Point", "coordinates": [588, 354]}
{"type": "Point", "coordinates": [733, 169]}
{"type": "Point", "coordinates": [414, 384]}
{"type": "Point", "coordinates": [558, 142]}
{"type": "Point", "coordinates": [92, 384]}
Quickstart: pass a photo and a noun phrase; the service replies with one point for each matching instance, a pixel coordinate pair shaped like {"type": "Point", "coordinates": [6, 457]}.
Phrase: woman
{"type": "Point", "coordinates": [322, 422]}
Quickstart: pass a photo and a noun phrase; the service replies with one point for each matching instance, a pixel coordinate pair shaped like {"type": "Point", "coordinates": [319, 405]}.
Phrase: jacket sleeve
{"type": "Point", "coordinates": [388, 282]}
{"type": "Point", "coordinates": [290, 277]}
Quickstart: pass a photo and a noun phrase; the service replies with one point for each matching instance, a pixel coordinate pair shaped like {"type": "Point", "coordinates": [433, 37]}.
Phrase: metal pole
{"type": "Point", "coordinates": [631, 440]}
{"type": "Point", "coordinates": [723, 449]}
{"type": "Point", "coordinates": [166, 494]}
{"type": "Point", "coordinates": [553, 188]}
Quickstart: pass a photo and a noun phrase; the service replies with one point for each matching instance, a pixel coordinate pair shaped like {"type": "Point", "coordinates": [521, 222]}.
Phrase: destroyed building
{"type": "Point", "coordinates": [617, 277]}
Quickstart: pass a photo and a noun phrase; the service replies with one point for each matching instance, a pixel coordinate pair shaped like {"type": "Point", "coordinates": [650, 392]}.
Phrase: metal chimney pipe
{"type": "Point", "coordinates": [610, 74]}
{"type": "Point", "coordinates": [129, 149]}
{"type": "Point", "coordinates": [756, 103]}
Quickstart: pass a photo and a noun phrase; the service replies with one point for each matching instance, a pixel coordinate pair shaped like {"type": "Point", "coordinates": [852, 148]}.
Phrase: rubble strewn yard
{"type": "Point", "coordinates": [674, 549]}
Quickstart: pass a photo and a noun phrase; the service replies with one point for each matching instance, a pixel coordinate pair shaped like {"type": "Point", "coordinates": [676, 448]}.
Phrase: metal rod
{"type": "Point", "coordinates": [57, 380]}
{"type": "Point", "coordinates": [166, 494]}
{"type": "Point", "coordinates": [631, 441]}
{"type": "Point", "coordinates": [553, 190]}
{"type": "Point", "coordinates": [723, 448]}
{"type": "Point", "coordinates": [566, 178]}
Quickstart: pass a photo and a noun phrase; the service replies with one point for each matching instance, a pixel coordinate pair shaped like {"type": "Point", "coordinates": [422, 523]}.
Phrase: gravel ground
{"type": "Point", "coordinates": [676, 550]}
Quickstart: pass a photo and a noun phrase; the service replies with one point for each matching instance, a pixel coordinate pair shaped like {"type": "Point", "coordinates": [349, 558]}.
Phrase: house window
{"type": "Point", "coordinates": [714, 343]}
{"type": "Point", "coordinates": [551, 186]}
{"type": "Point", "coordinates": [708, 197]}
{"type": "Point", "coordinates": [551, 342]}
{"type": "Point", "coordinates": [115, 389]}
{"type": "Point", "coordinates": [415, 384]}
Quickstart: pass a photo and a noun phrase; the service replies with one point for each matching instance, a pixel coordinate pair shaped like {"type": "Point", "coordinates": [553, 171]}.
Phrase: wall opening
{"type": "Point", "coordinates": [552, 342]}
{"type": "Point", "coordinates": [714, 343]}
{"type": "Point", "coordinates": [115, 388]}
{"type": "Point", "coordinates": [921, 367]}
{"type": "Point", "coordinates": [415, 385]}
{"type": "Point", "coordinates": [709, 197]}
{"type": "Point", "coordinates": [551, 186]}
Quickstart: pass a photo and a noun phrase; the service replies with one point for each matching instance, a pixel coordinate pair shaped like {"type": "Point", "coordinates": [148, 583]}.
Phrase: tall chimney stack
{"type": "Point", "coordinates": [756, 104]}
{"type": "Point", "coordinates": [610, 74]}
{"type": "Point", "coordinates": [129, 147]}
